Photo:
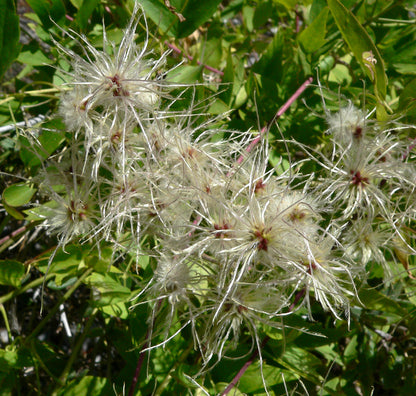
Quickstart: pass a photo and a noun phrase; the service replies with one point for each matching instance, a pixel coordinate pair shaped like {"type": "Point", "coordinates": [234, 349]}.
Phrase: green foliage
{"type": "Point", "coordinates": [9, 34]}
{"type": "Point", "coordinates": [89, 337]}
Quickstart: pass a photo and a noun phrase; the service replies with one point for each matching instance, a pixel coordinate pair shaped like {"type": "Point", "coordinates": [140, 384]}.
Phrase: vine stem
{"type": "Point", "coordinates": [298, 92]}
{"type": "Point", "coordinates": [250, 147]}
{"type": "Point", "coordinates": [142, 353]}
{"type": "Point", "coordinates": [255, 353]}
{"type": "Point", "coordinates": [243, 369]}
{"type": "Point", "coordinates": [64, 376]}
{"type": "Point", "coordinates": [174, 48]}
{"type": "Point", "coordinates": [55, 309]}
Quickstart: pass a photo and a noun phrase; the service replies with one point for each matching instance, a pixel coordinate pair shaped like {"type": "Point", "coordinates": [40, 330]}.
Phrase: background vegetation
{"type": "Point", "coordinates": [87, 342]}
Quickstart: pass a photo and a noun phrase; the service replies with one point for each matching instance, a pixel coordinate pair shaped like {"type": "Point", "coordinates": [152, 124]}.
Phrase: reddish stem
{"type": "Point", "coordinates": [12, 235]}
{"type": "Point", "coordinates": [191, 58]}
{"type": "Point", "coordinates": [255, 353]}
{"type": "Point", "coordinates": [245, 367]}
{"type": "Point", "coordinates": [298, 92]}
{"type": "Point", "coordinates": [138, 369]}
{"type": "Point", "coordinates": [142, 354]}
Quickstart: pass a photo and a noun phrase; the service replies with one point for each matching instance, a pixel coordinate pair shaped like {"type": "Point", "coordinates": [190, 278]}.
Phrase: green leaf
{"type": "Point", "coordinates": [407, 101]}
{"type": "Point", "coordinates": [313, 37]}
{"type": "Point", "coordinates": [118, 310]}
{"type": "Point", "coordinates": [77, 3]}
{"type": "Point", "coordinates": [301, 362]}
{"type": "Point", "coordinates": [361, 45]}
{"type": "Point", "coordinates": [13, 211]}
{"type": "Point", "coordinates": [289, 4]}
{"type": "Point", "coordinates": [36, 58]}
{"type": "Point", "coordinates": [248, 17]}
{"type": "Point", "coordinates": [185, 74]}
{"type": "Point", "coordinates": [65, 264]}
{"type": "Point", "coordinates": [9, 35]}
{"type": "Point", "coordinates": [48, 11]}
{"type": "Point", "coordinates": [85, 12]}
{"type": "Point", "coordinates": [161, 16]}
{"type": "Point", "coordinates": [251, 382]}
{"type": "Point", "coordinates": [11, 273]}
{"type": "Point", "coordinates": [18, 194]}
{"type": "Point", "coordinates": [89, 385]}
{"type": "Point", "coordinates": [111, 291]}
{"type": "Point", "coordinates": [270, 63]}
{"type": "Point", "coordinates": [373, 299]}
{"type": "Point", "coordinates": [11, 357]}
{"type": "Point", "coordinates": [195, 12]}
{"type": "Point", "coordinates": [50, 140]}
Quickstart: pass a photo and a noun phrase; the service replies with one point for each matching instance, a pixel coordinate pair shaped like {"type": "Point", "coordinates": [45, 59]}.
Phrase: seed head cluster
{"type": "Point", "coordinates": [234, 246]}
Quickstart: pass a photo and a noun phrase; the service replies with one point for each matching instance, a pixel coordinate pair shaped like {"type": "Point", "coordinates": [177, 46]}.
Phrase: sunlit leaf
{"type": "Point", "coordinates": [313, 37]}
{"type": "Point", "coordinates": [18, 194]}
{"type": "Point", "coordinates": [11, 273]}
{"type": "Point", "coordinates": [360, 44]}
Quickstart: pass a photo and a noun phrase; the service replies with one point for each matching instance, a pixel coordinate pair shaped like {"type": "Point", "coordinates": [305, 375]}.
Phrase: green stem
{"type": "Point", "coordinates": [6, 321]}
{"type": "Point", "coordinates": [30, 285]}
{"type": "Point", "coordinates": [167, 379]}
{"type": "Point", "coordinates": [55, 309]}
{"type": "Point", "coordinates": [64, 376]}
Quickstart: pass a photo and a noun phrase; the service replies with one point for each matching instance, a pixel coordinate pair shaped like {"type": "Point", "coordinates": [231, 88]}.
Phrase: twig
{"type": "Point", "coordinates": [191, 58]}
{"type": "Point", "coordinates": [302, 292]}
{"type": "Point", "coordinates": [298, 92]}
{"type": "Point", "coordinates": [28, 123]}
{"type": "Point", "coordinates": [245, 367]}
{"type": "Point", "coordinates": [142, 354]}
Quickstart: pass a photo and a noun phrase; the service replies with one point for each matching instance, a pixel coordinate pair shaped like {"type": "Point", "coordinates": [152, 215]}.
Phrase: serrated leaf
{"type": "Point", "coordinates": [360, 43]}
{"type": "Point", "coordinates": [11, 273]}
{"type": "Point", "coordinates": [18, 194]}
{"type": "Point", "coordinates": [9, 34]}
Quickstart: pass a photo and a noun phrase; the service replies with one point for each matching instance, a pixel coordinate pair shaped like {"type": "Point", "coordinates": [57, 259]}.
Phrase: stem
{"type": "Point", "coordinates": [8, 240]}
{"type": "Point", "coordinates": [35, 92]}
{"type": "Point", "coordinates": [191, 58]}
{"type": "Point", "coordinates": [243, 369]}
{"type": "Point", "coordinates": [6, 321]}
{"type": "Point", "coordinates": [64, 376]}
{"type": "Point", "coordinates": [30, 285]}
{"type": "Point", "coordinates": [139, 365]}
{"type": "Point", "coordinates": [142, 354]}
{"type": "Point", "coordinates": [167, 379]}
{"type": "Point", "coordinates": [55, 309]}
{"type": "Point", "coordinates": [298, 92]}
